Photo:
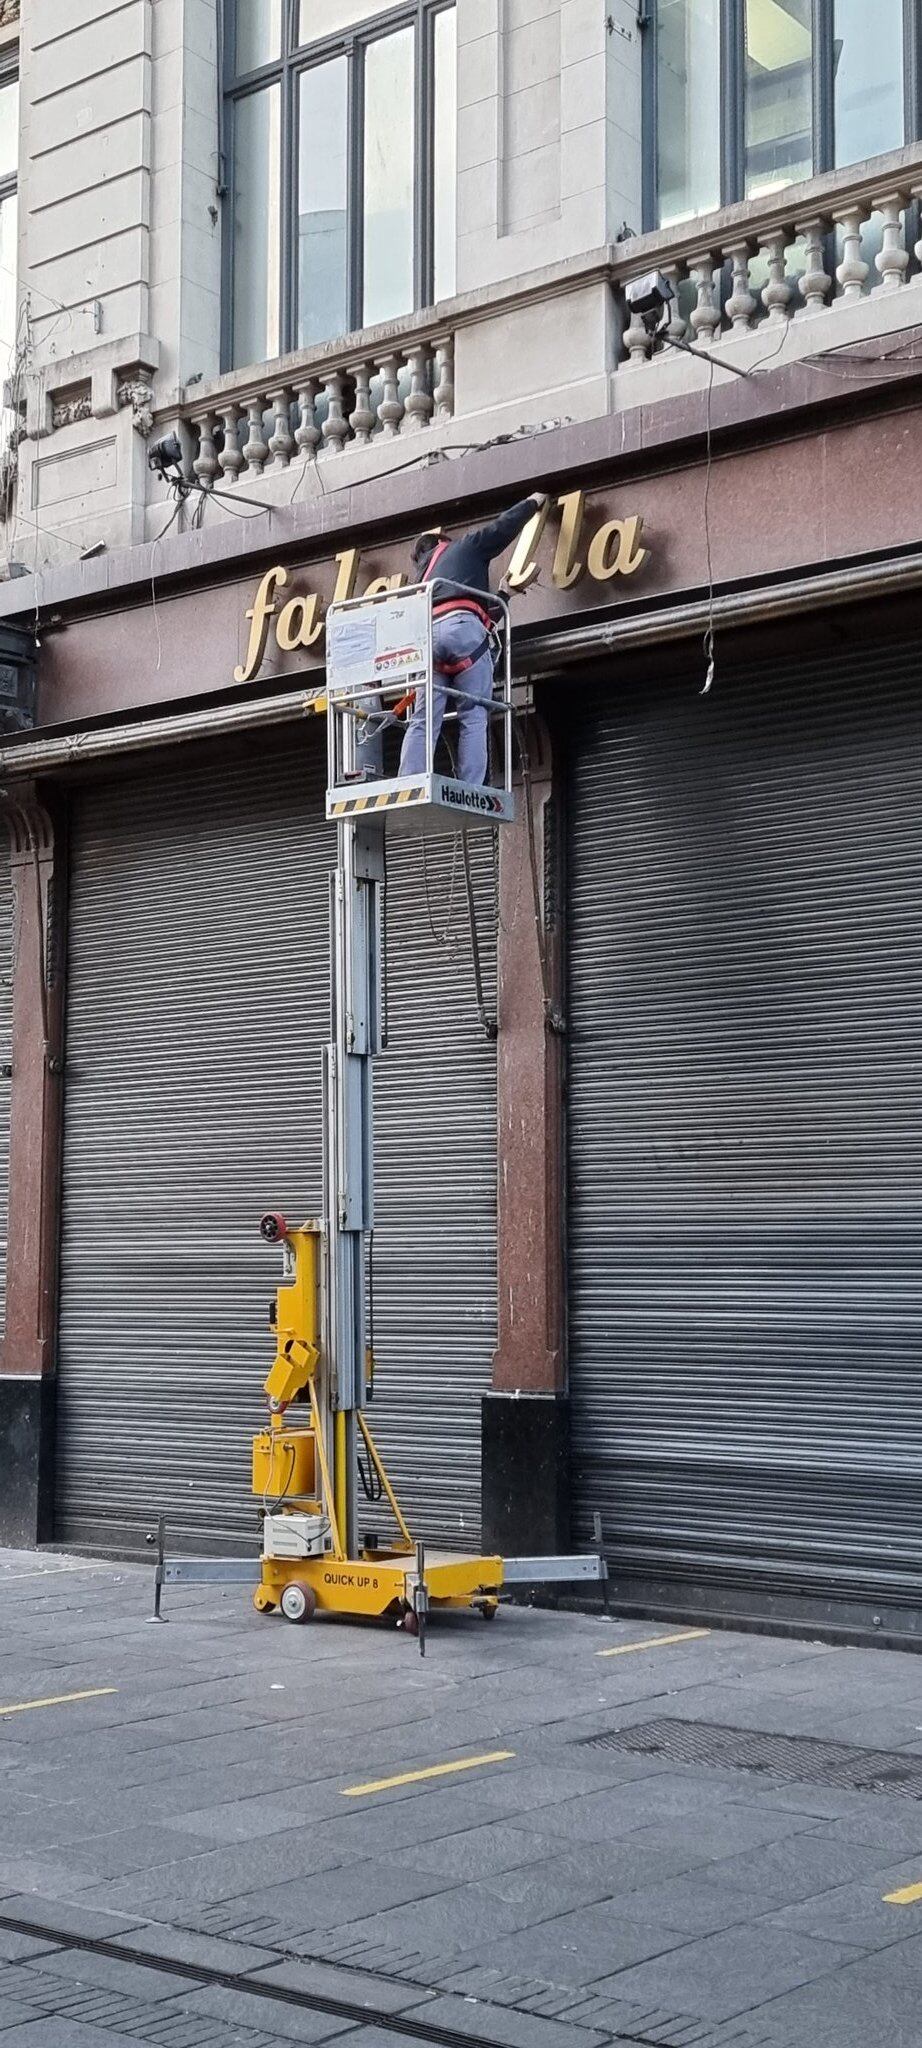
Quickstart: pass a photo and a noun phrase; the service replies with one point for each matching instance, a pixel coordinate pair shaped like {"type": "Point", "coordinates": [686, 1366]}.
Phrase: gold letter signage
{"type": "Point", "coordinates": [612, 548]}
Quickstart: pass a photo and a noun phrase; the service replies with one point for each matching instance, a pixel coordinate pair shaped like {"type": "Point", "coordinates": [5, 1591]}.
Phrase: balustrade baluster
{"type": "Point", "coordinates": [362, 417]}
{"type": "Point", "coordinates": [256, 448]}
{"type": "Point", "coordinates": [444, 393]}
{"type": "Point", "coordinates": [705, 317]}
{"type": "Point", "coordinates": [638, 342]}
{"type": "Point", "coordinates": [307, 434]}
{"type": "Point", "coordinates": [816, 283]}
{"type": "Point", "coordinates": [675, 274]}
{"type": "Point", "coordinates": [777, 293]}
{"type": "Point", "coordinates": [390, 410]}
{"type": "Point", "coordinates": [419, 403]}
{"type": "Point", "coordinates": [336, 425]}
{"type": "Point", "coordinates": [742, 303]}
{"type": "Point", "coordinates": [281, 441]}
{"type": "Point", "coordinates": [205, 466]}
{"type": "Point", "coordinates": [892, 259]}
{"type": "Point", "coordinates": [230, 458]}
{"type": "Point", "coordinates": [852, 272]}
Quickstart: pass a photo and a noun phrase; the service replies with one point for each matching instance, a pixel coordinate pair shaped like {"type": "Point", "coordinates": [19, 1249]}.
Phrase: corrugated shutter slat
{"type": "Point", "coordinates": [198, 1003]}
{"type": "Point", "coordinates": [746, 1136]}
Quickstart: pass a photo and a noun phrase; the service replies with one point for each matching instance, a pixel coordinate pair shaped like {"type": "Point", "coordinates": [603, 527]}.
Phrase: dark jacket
{"type": "Point", "coordinates": [467, 560]}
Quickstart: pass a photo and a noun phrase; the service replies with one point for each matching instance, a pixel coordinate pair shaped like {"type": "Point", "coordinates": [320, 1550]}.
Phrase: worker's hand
{"type": "Point", "coordinates": [539, 497]}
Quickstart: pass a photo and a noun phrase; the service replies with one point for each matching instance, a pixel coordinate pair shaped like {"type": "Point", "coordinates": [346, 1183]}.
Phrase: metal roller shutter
{"type": "Point", "coordinates": [7, 919]}
{"type": "Point", "coordinates": [198, 1001]}
{"type": "Point", "coordinates": [746, 1135]}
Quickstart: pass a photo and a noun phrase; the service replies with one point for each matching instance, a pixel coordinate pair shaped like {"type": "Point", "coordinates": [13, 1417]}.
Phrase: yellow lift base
{"type": "Point", "coordinates": [382, 1585]}
{"type": "Point", "coordinates": [301, 1477]}
{"type": "Point", "coordinates": [305, 1567]}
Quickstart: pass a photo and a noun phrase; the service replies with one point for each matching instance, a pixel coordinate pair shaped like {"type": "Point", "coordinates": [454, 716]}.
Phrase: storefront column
{"type": "Point", "coordinates": [27, 1355]}
{"type": "Point", "coordinates": [525, 1463]}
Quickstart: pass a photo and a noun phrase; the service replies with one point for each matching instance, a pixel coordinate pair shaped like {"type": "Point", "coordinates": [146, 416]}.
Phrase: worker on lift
{"type": "Point", "coordinates": [462, 647]}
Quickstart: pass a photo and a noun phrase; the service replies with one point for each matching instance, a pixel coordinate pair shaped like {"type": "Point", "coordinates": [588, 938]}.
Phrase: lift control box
{"type": "Point", "coordinates": [285, 1464]}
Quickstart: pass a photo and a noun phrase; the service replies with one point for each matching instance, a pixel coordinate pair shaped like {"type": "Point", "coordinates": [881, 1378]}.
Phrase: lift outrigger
{"type": "Point", "coordinates": [306, 1471]}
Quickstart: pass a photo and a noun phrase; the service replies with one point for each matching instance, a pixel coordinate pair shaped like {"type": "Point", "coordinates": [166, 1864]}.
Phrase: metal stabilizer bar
{"type": "Point", "coordinates": [540, 1571]}
{"type": "Point", "coordinates": [212, 1571]}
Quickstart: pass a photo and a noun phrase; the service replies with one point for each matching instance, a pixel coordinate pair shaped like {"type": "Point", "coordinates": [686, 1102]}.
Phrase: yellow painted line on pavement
{"type": "Point", "coordinates": [54, 1571]}
{"type": "Point", "coordinates": [688, 1635]}
{"type": "Point", "coordinates": [907, 1897]}
{"type": "Point", "coordinates": [61, 1699]}
{"type": "Point", "coordinates": [463, 1763]}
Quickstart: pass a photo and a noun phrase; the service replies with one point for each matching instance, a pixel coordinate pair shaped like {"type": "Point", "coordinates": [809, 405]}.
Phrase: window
{"type": "Point", "coordinates": [9, 294]}
{"type": "Point", "coordinates": [746, 96]}
{"type": "Point", "coordinates": [341, 140]}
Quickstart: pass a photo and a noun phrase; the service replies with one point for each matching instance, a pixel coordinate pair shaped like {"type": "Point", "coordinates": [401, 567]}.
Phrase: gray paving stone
{"type": "Point", "coordinates": [578, 1947]}
{"type": "Point", "coordinates": [861, 2006]}
{"type": "Point", "coordinates": [354, 1987]}
{"type": "Point", "coordinates": [506, 2026]}
{"type": "Point", "coordinates": [262, 2015]}
{"type": "Point", "coordinates": [476, 1852]}
{"type": "Point", "coordinates": [178, 1944]}
{"type": "Point", "coordinates": [18, 1948]}
{"type": "Point", "coordinates": [41, 1910]}
{"type": "Point", "coordinates": [82, 1970]}
{"type": "Point", "coordinates": [15, 2016]}
{"type": "Point", "coordinates": [52, 2033]}
{"type": "Point", "coordinates": [855, 1914]}
{"type": "Point", "coordinates": [782, 1872]}
{"type": "Point", "coordinates": [726, 1975]}
{"type": "Point", "coordinates": [545, 1890]}
{"type": "Point", "coordinates": [686, 1903]}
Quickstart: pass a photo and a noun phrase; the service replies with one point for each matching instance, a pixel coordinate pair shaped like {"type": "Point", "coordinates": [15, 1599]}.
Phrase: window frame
{"type": "Point", "coordinates": [297, 58]}
{"type": "Point", "coordinates": [732, 148]}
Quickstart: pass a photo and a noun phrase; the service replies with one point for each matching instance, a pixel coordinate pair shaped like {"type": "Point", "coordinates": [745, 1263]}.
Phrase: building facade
{"type": "Point", "coordinates": [646, 1251]}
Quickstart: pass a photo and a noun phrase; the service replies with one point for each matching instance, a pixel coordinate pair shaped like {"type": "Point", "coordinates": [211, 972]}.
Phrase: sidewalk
{"type": "Point", "coordinates": [233, 1831]}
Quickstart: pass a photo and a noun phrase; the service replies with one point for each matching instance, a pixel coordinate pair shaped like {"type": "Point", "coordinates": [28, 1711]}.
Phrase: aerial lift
{"type": "Point", "coordinates": [308, 1460]}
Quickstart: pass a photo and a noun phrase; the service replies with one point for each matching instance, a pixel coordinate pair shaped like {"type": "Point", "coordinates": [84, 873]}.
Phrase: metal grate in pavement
{"type": "Point", "coordinates": [794, 1759]}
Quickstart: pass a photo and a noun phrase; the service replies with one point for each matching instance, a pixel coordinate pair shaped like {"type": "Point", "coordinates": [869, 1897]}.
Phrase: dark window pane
{"type": "Point", "coordinates": [444, 153]}
{"type": "Point", "coordinates": [9, 128]}
{"type": "Point", "coordinates": [322, 197]}
{"type": "Point", "coordinates": [8, 302]}
{"type": "Point", "coordinates": [688, 108]}
{"type": "Point", "coordinates": [257, 226]}
{"type": "Point", "coordinates": [388, 184]}
{"type": "Point", "coordinates": [868, 57]}
{"type": "Point", "coordinates": [779, 93]}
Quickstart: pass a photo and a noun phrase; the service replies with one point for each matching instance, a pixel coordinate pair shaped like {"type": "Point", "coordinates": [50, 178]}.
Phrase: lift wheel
{"type": "Point", "coordinates": [298, 1601]}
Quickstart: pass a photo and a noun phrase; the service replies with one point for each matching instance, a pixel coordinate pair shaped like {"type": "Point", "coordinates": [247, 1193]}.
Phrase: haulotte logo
{"type": "Point", "coordinates": [468, 799]}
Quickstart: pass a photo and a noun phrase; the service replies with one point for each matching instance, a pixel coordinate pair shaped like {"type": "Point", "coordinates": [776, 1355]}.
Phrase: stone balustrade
{"type": "Point", "coordinates": [318, 406]}
{"type": "Point", "coordinates": [778, 262]}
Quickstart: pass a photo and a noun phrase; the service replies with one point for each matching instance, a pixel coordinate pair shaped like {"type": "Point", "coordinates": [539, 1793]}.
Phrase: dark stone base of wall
{"type": "Point", "coordinates": [27, 1408]}
{"type": "Point", "coordinates": [525, 1481]}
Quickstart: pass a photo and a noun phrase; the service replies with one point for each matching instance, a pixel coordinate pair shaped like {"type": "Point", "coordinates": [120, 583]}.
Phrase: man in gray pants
{"type": "Point", "coordinates": [462, 653]}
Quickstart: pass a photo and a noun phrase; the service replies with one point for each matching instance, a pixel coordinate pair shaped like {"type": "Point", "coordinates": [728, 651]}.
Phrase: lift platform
{"type": "Point", "coordinates": [379, 660]}
{"type": "Point", "coordinates": [318, 1444]}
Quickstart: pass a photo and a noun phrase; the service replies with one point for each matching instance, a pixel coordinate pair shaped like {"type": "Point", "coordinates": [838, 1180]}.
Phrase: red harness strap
{"type": "Point", "coordinates": [457, 604]}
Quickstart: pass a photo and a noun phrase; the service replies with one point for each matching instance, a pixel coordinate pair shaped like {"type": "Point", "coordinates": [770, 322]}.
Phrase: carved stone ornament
{"type": "Point", "coordinates": [70, 406]}
{"type": "Point", "coordinates": [9, 13]}
{"type": "Point", "coordinates": [136, 392]}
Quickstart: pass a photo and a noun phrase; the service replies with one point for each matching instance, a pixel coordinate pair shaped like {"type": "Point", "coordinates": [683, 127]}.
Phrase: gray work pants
{"type": "Point", "coordinates": [455, 636]}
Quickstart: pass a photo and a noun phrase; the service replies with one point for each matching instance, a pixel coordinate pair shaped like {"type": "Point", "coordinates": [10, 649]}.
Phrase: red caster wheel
{"type": "Point", "coordinates": [298, 1602]}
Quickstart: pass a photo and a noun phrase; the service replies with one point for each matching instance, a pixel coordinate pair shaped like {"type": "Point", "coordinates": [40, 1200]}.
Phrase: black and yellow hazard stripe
{"type": "Point", "coordinates": [352, 806]}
